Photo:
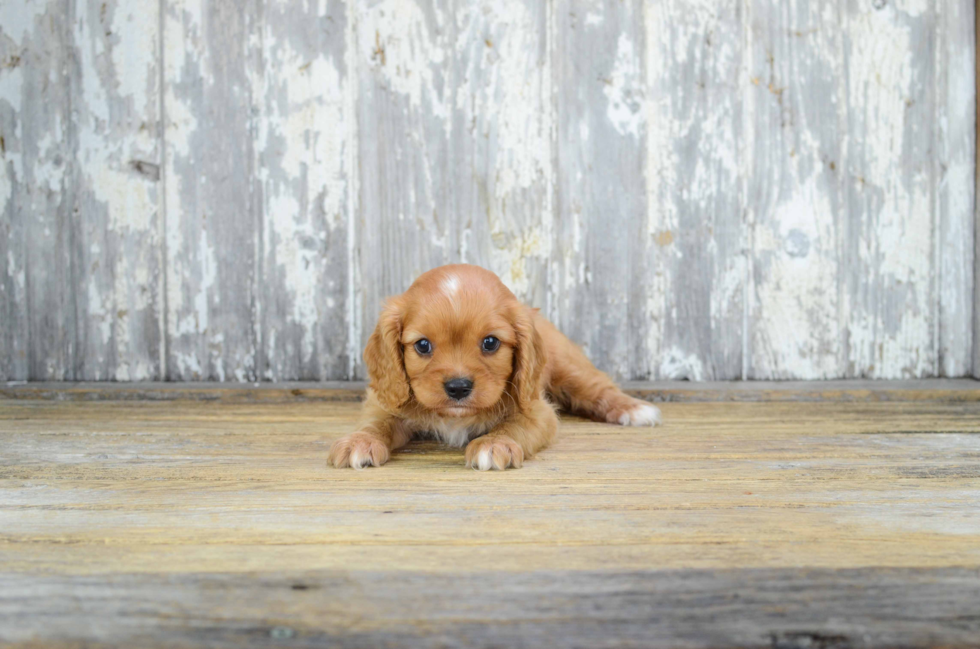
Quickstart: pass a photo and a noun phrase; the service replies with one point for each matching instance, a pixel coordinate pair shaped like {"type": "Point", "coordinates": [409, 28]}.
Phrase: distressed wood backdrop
{"type": "Point", "coordinates": [703, 189]}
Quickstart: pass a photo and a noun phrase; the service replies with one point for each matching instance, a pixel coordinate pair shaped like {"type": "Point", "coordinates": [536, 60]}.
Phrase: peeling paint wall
{"type": "Point", "coordinates": [691, 189]}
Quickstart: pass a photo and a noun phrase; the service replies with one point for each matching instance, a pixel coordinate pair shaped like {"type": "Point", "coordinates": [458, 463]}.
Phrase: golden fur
{"type": "Point", "coordinates": [507, 417]}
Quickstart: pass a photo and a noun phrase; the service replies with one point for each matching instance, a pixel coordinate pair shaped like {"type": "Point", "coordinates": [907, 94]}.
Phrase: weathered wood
{"type": "Point", "coordinates": [602, 238]}
{"type": "Point", "coordinates": [692, 288]}
{"type": "Point", "coordinates": [118, 487]}
{"type": "Point", "coordinates": [117, 277]}
{"type": "Point", "coordinates": [743, 190]}
{"type": "Point", "coordinates": [192, 391]}
{"type": "Point", "coordinates": [735, 524]}
{"type": "Point", "coordinates": [955, 182]}
{"type": "Point", "coordinates": [406, 221]}
{"type": "Point", "coordinates": [20, 74]}
{"type": "Point", "coordinates": [38, 336]}
{"type": "Point", "coordinates": [502, 142]}
{"type": "Point", "coordinates": [893, 258]}
{"type": "Point", "coordinates": [934, 390]}
{"type": "Point", "coordinates": [787, 608]}
{"type": "Point", "coordinates": [304, 135]}
{"type": "Point", "coordinates": [212, 199]}
{"type": "Point", "coordinates": [976, 202]}
{"type": "Point", "coordinates": [794, 146]}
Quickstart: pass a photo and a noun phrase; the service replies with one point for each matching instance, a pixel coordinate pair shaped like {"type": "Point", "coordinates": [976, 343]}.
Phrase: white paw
{"type": "Point", "coordinates": [494, 453]}
{"type": "Point", "coordinates": [358, 451]}
{"type": "Point", "coordinates": [361, 459]}
{"type": "Point", "coordinates": [484, 460]}
{"type": "Point", "coordinates": [641, 415]}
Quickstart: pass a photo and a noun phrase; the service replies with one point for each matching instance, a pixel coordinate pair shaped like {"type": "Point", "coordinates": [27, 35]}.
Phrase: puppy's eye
{"type": "Point", "coordinates": [423, 347]}
{"type": "Point", "coordinates": [490, 344]}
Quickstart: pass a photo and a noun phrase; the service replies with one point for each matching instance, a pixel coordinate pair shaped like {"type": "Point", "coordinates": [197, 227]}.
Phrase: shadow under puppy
{"type": "Point", "coordinates": [457, 357]}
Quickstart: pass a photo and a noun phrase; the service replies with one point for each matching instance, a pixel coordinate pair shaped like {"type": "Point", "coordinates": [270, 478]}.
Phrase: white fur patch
{"type": "Point", "coordinates": [642, 415]}
{"type": "Point", "coordinates": [453, 433]}
{"type": "Point", "coordinates": [484, 460]}
{"type": "Point", "coordinates": [450, 285]}
{"type": "Point", "coordinates": [360, 460]}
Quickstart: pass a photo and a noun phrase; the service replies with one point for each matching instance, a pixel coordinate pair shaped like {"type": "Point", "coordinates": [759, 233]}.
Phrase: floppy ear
{"type": "Point", "coordinates": [529, 358]}
{"type": "Point", "coordinates": [384, 358]}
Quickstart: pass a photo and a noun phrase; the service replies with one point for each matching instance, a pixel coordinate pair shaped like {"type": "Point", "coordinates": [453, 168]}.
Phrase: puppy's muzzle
{"type": "Point", "coordinates": [458, 388]}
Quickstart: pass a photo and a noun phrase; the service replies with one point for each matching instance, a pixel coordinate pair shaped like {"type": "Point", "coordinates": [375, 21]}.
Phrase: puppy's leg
{"type": "Point", "coordinates": [371, 445]}
{"type": "Point", "coordinates": [578, 386]}
{"type": "Point", "coordinates": [517, 437]}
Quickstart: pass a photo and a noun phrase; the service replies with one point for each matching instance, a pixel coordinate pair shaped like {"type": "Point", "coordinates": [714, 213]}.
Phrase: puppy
{"type": "Point", "coordinates": [457, 357]}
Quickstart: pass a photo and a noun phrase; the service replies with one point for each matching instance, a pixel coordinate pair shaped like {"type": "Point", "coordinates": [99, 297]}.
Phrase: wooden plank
{"type": "Point", "coordinates": [117, 277]}
{"type": "Point", "coordinates": [892, 247]}
{"type": "Point", "coordinates": [304, 134]}
{"type": "Point", "coordinates": [196, 391]}
{"type": "Point", "coordinates": [36, 79]}
{"type": "Point", "coordinates": [469, 125]}
{"type": "Point", "coordinates": [787, 608]}
{"type": "Point", "coordinates": [218, 524]}
{"type": "Point", "coordinates": [693, 283]}
{"type": "Point", "coordinates": [212, 207]}
{"type": "Point", "coordinates": [211, 487]}
{"type": "Point", "coordinates": [602, 240]}
{"type": "Point", "coordinates": [976, 220]}
{"type": "Point", "coordinates": [19, 31]}
{"type": "Point", "coordinates": [955, 162]}
{"type": "Point", "coordinates": [503, 142]}
{"type": "Point", "coordinates": [406, 222]}
{"type": "Point", "coordinates": [794, 205]}
{"type": "Point", "coordinates": [935, 390]}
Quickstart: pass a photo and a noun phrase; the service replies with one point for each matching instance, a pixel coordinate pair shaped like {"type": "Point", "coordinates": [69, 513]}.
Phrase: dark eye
{"type": "Point", "coordinates": [490, 344]}
{"type": "Point", "coordinates": [423, 347]}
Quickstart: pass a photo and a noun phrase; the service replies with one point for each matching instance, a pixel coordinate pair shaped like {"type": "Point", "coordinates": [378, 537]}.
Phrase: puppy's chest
{"type": "Point", "coordinates": [448, 431]}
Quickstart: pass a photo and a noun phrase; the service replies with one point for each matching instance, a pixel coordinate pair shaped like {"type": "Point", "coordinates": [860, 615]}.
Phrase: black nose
{"type": "Point", "coordinates": [458, 389]}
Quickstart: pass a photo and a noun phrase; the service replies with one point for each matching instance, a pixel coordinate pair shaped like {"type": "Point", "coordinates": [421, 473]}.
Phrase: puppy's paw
{"type": "Point", "coordinates": [494, 452]}
{"type": "Point", "coordinates": [357, 451]}
{"type": "Point", "coordinates": [634, 413]}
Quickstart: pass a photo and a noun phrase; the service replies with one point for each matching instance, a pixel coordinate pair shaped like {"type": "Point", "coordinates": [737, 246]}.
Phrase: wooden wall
{"type": "Point", "coordinates": [976, 221]}
{"type": "Point", "coordinates": [702, 189]}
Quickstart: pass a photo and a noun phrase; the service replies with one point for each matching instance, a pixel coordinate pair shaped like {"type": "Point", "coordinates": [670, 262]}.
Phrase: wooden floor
{"type": "Point", "coordinates": [820, 524]}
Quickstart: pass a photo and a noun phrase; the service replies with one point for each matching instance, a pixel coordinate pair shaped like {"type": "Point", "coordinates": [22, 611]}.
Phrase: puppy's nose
{"type": "Point", "coordinates": [458, 389]}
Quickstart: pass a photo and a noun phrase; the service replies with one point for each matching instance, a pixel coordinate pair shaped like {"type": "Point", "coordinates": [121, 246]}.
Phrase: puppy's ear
{"type": "Point", "coordinates": [384, 358]}
{"type": "Point", "coordinates": [529, 358]}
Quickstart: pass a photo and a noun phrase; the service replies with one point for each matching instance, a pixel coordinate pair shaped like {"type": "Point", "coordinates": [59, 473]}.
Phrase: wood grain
{"type": "Point", "coordinates": [403, 53]}
{"type": "Point", "coordinates": [782, 608]}
{"type": "Point", "coordinates": [976, 202]}
{"type": "Point", "coordinates": [117, 276]}
{"type": "Point", "coordinates": [892, 239]}
{"type": "Point", "coordinates": [38, 336]}
{"type": "Point", "coordinates": [720, 485]}
{"type": "Point", "coordinates": [751, 524]}
{"type": "Point", "coordinates": [601, 239]}
{"type": "Point", "coordinates": [955, 181]}
{"type": "Point", "coordinates": [212, 195]}
{"type": "Point", "coordinates": [795, 211]}
{"type": "Point", "coordinates": [693, 319]}
{"type": "Point", "coordinates": [304, 136]}
{"type": "Point", "coordinates": [935, 390]}
{"type": "Point", "coordinates": [502, 135]}
{"type": "Point", "coordinates": [217, 190]}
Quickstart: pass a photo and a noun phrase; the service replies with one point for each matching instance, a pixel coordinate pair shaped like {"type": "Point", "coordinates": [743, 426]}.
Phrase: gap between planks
{"type": "Point", "coordinates": [935, 390]}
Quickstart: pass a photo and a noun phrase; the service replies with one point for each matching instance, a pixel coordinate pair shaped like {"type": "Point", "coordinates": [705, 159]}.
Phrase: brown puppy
{"type": "Point", "coordinates": [459, 358]}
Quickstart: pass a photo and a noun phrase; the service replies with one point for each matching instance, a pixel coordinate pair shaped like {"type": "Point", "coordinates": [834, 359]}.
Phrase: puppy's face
{"type": "Point", "coordinates": [460, 342]}
{"type": "Point", "coordinates": [458, 345]}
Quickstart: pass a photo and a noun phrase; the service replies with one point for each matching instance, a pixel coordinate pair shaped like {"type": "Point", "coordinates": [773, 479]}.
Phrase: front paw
{"type": "Point", "coordinates": [634, 413]}
{"type": "Point", "coordinates": [358, 450]}
{"type": "Point", "coordinates": [494, 452]}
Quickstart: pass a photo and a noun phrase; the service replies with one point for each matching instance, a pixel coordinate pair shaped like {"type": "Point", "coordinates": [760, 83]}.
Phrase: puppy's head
{"type": "Point", "coordinates": [459, 342]}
